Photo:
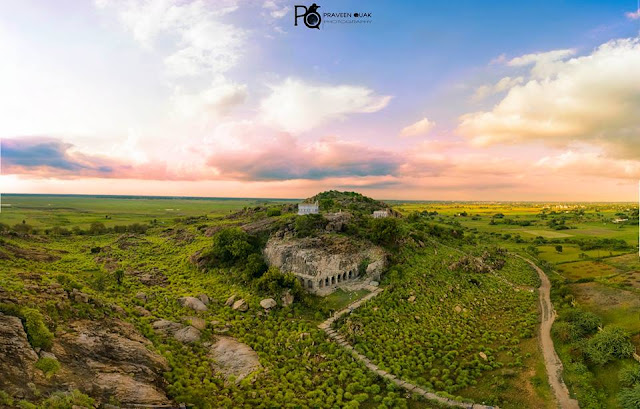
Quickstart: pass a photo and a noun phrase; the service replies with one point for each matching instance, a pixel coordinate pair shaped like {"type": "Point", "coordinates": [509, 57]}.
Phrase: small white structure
{"type": "Point", "coordinates": [305, 208]}
{"type": "Point", "coordinates": [379, 214]}
{"type": "Point", "coordinates": [620, 220]}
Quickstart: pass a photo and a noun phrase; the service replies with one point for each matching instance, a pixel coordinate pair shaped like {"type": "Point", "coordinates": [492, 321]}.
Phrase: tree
{"type": "Point", "coordinates": [559, 248]}
{"type": "Point", "coordinates": [255, 266]}
{"type": "Point", "coordinates": [307, 224]}
{"type": "Point", "coordinates": [97, 228]}
{"type": "Point", "coordinates": [583, 323]}
{"type": "Point", "coordinates": [119, 274]}
{"type": "Point", "coordinates": [273, 211]}
{"type": "Point", "coordinates": [384, 231]}
{"type": "Point", "coordinates": [609, 344]}
{"type": "Point", "coordinates": [274, 282]}
{"type": "Point", "coordinates": [230, 246]}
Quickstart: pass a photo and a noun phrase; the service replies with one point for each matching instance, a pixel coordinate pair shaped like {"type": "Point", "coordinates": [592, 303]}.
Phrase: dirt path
{"type": "Point", "coordinates": [551, 360]}
{"type": "Point", "coordinates": [409, 387]}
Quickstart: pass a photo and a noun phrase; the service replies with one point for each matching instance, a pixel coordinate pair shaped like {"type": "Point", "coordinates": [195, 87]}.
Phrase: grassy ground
{"type": "Point", "coordinates": [498, 320]}
{"type": "Point", "coordinates": [68, 211]}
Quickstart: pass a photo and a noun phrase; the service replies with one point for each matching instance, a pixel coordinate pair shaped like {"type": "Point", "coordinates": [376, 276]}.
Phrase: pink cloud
{"type": "Point", "coordinates": [633, 15]}
{"type": "Point", "coordinates": [283, 158]}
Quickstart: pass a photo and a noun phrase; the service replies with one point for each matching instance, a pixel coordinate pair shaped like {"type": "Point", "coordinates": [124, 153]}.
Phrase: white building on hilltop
{"type": "Point", "coordinates": [378, 214]}
{"type": "Point", "coordinates": [305, 208]}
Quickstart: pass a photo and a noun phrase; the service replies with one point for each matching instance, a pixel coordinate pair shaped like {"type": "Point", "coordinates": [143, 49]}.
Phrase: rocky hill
{"type": "Point", "coordinates": [333, 201]}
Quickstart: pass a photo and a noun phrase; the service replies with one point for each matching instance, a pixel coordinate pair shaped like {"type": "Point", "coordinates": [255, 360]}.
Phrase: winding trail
{"type": "Point", "coordinates": [409, 387]}
{"type": "Point", "coordinates": [551, 360]}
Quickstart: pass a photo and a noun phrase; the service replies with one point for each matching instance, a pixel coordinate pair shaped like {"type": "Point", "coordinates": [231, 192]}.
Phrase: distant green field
{"type": "Point", "coordinates": [547, 234]}
{"type": "Point", "coordinates": [572, 253]}
{"type": "Point", "coordinates": [67, 211]}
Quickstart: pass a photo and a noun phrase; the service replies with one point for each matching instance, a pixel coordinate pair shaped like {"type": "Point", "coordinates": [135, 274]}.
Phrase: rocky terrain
{"type": "Point", "coordinates": [107, 360]}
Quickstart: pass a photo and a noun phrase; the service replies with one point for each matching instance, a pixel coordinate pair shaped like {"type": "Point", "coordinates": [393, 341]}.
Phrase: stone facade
{"type": "Point", "coordinates": [378, 214]}
{"type": "Point", "coordinates": [305, 208]}
{"type": "Point", "coordinates": [324, 264]}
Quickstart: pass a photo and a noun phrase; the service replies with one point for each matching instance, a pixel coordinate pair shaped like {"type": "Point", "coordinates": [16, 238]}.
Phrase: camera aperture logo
{"type": "Point", "coordinates": [312, 18]}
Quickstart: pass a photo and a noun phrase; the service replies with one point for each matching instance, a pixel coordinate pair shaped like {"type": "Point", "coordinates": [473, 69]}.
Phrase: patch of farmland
{"type": "Point", "coordinates": [586, 269]}
{"type": "Point", "coordinates": [547, 234]}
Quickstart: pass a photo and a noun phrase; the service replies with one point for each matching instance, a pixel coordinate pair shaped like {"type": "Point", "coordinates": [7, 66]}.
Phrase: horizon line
{"type": "Point", "coordinates": [128, 196]}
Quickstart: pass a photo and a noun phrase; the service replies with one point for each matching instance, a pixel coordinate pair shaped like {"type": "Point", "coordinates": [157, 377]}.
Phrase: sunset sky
{"type": "Point", "coordinates": [431, 100]}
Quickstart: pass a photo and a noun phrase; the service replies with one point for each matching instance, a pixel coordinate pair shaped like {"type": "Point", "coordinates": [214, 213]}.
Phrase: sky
{"type": "Point", "coordinates": [433, 100]}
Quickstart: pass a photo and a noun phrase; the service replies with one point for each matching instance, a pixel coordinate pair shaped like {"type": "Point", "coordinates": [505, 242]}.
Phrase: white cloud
{"type": "Point", "coordinates": [544, 64]}
{"type": "Point", "coordinates": [591, 163]}
{"type": "Point", "coordinates": [420, 128]}
{"type": "Point", "coordinates": [200, 42]}
{"type": "Point", "coordinates": [501, 59]}
{"type": "Point", "coordinates": [275, 10]}
{"type": "Point", "coordinates": [195, 43]}
{"type": "Point", "coordinates": [214, 101]}
{"type": "Point", "coordinates": [553, 55]}
{"type": "Point", "coordinates": [591, 99]}
{"type": "Point", "coordinates": [296, 106]}
{"type": "Point", "coordinates": [504, 84]}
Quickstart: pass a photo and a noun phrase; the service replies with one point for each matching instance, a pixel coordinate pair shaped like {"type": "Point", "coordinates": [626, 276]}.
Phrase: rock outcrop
{"type": "Point", "coordinates": [240, 305]}
{"type": "Point", "coordinates": [268, 303]}
{"type": "Point", "coordinates": [326, 262]}
{"type": "Point", "coordinates": [196, 322]}
{"type": "Point", "coordinates": [233, 358]}
{"type": "Point", "coordinates": [187, 335]}
{"type": "Point", "coordinates": [110, 360]}
{"type": "Point", "coordinates": [193, 303]}
{"type": "Point", "coordinates": [17, 358]}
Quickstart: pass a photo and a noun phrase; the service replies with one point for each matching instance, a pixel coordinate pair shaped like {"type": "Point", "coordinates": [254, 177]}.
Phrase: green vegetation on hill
{"type": "Point", "coordinates": [334, 201]}
{"type": "Point", "coordinates": [458, 314]}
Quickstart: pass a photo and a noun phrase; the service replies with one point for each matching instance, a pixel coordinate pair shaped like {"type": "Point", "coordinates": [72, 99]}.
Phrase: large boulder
{"type": "Point", "coordinates": [233, 358]}
{"type": "Point", "coordinates": [287, 298]}
{"type": "Point", "coordinates": [240, 305]}
{"type": "Point", "coordinates": [196, 322]}
{"type": "Point", "coordinates": [17, 358]}
{"type": "Point", "coordinates": [187, 335]}
{"type": "Point", "coordinates": [193, 303]}
{"type": "Point", "coordinates": [268, 303]}
{"type": "Point", "coordinates": [110, 359]}
{"type": "Point", "coordinates": [166, 327]}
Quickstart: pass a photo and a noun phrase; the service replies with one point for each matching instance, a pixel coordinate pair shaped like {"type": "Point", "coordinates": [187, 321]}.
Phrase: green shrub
{"type": "Point", "coordinates": [630, 398]}
{"type": "Point", "coordinates": [68, 400]}
{"type": "Point", "coordinates": [630, 376]}
{"type": "Point", "coordinates": [48, 365]}
{"type": "Point", "coordinates": [273, 211]}
{"type": "Point", "coordinates": [384, 231]}
{"type": "Point", "coordinates": [255, 266]}
{"type": "Point", "coordinates": [23, 404]}
{"type": "Point", "coordinates": [306, 225]}
{"type": "Point", "coordinates": [231, 246]}
{"type": "Point", "coordinates": [5, 399]}
{"type": "Point", "coordinates": [609, 344]}
{"type": "Point", "coordinates": [274, 282]}
{"type": "Point", "coordinates": [37, 332]}
{"type": "Point", "coordinates": [584, 323]}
